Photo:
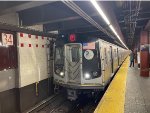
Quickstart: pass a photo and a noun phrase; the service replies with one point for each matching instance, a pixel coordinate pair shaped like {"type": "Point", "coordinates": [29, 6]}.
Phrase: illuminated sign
{"type": "Point", "coordinates": [72, 38]}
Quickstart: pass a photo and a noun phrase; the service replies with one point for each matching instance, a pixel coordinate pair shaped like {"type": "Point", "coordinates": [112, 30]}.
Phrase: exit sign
{"type": "Point", "coordinates": [7, 39]}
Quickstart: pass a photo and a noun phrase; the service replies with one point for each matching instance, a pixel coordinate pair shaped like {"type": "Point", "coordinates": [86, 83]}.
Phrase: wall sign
{"type": "Point", "coordinates": [7, 39]}
{"type": "Point", "coordinates": [89, 54]}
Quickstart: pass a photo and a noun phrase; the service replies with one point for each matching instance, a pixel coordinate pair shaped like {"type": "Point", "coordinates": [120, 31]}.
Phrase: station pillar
{"type": "Point", "coordinates": [149, 53]}
{"type": "Point", "coordinates": [144, 53]}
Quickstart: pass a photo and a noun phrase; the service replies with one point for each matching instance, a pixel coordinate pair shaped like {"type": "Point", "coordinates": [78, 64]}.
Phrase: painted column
{"type": "Point", "coordinates": [144, 54]}
{"type": "Point", "coordinates": [149, 53]}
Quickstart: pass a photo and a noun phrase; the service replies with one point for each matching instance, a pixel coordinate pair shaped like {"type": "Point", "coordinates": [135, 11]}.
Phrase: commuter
{"type": "Point", "coordinates": [131, 59]}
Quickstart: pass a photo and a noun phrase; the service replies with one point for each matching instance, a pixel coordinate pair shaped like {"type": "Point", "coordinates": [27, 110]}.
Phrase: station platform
{"type": "Point", "coordinates": [127, 93]}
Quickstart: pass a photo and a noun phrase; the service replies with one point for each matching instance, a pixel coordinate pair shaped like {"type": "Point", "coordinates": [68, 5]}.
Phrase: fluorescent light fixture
{"type": "Point", "coordinates": [112, 28]}
{"type": "Point", "coordinates": [100, 11]}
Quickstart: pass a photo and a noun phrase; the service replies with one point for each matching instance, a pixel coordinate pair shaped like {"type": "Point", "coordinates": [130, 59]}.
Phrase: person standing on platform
{"type": "Point", "coordinates": [131, 59]}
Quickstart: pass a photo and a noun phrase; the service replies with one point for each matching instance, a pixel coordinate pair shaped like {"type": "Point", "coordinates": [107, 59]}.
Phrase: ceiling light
{"type": "Point", "coordinates": [112, 28]}
{"type": "Point", "coordinates": [114, 31]}
{"type": "Point", "coordinates": [100, 11]}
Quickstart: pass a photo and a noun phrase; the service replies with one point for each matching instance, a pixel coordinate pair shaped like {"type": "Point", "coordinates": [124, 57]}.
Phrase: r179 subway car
{"type": "Point", "coordinates": [84, 63]}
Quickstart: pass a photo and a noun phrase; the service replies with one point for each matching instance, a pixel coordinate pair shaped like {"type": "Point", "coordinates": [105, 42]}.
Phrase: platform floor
{"type": "Point", "coordinates": [137, 99]}
{"type": "Point", "coordinates": [127, 93]}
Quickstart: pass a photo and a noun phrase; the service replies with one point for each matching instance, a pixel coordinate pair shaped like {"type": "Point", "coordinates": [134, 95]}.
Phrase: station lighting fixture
{"type": "Point", "coordinates": [100, 11]}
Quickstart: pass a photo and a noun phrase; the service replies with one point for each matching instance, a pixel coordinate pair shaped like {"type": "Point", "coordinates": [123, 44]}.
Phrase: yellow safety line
{"type": "Point", "coordinates": [114, 98]}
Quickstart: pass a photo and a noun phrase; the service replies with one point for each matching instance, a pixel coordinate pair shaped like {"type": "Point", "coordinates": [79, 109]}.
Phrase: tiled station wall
{"type": "Point", "coordinates": [24, 72]}
{"type": "Point", "coordinates": [32, 57]}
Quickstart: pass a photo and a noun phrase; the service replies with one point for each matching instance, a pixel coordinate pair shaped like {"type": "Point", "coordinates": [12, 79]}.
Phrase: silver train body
{"type": "Point", "coordinates": [89, 65]}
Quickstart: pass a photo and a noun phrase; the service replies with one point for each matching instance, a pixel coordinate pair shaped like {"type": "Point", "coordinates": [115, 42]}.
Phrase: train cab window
{"type": "Point", "coordinates": [75, 54]}
{"type": "Point", "coordinates": [59, 55]}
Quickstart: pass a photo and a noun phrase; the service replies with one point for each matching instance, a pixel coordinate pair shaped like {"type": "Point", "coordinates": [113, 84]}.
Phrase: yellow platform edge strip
{"type": "Point", "coordinates": [114, 98]}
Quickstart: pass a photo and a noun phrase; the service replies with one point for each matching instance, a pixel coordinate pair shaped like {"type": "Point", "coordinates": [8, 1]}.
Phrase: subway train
{"type": "Point", "coordinates": [85, 64]}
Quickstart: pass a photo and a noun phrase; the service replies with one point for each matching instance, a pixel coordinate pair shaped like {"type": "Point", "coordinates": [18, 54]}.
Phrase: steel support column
{"type": "Point", "coordinates": [149, 53]}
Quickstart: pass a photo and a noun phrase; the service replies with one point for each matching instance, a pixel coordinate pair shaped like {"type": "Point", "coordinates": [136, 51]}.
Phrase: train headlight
{"type": "Point", "coordinates": [61, 74]}
{"type": "Point", "coordinates": [95, 74]}
{"type": "Point", "coordinates": [87, 76]}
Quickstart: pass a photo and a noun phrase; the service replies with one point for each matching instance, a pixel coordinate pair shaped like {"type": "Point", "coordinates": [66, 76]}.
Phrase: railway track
{"type": "Point", "coordinates": [87, 104]}
{"type": "Point", "coordinates": [52, 105]}
{"type": "Point", "coordinates": [59, 103]}
{"type": "Point", "coordinates": [53, 101]}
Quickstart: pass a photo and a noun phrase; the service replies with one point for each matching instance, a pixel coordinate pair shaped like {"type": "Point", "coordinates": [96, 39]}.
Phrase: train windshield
{"type": "Point", "coordinates": [59, 55]}
{"type": "Point", "coordinates": [75, 54]}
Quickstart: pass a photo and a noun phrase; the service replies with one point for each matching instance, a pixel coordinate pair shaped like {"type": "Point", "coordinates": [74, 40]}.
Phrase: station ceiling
{"type": "Point", "coordinates": [127, 17]}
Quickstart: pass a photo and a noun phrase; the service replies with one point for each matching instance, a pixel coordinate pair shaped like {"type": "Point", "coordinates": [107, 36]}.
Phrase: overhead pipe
{"type": "Point", "coordinates": [135, 20]}
{"type": "Point", "coordinates": [129, 19]}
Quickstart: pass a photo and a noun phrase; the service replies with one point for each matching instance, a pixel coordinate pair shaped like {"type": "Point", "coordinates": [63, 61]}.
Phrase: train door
{"type": "Point", "coordinates": [107, 63]}
{"type": "Point", "coordinates": [73, 59]}
{"type": "Point", "coordinates": [112, 64]}
{"type": "Point", "coordinates": [115, 59]}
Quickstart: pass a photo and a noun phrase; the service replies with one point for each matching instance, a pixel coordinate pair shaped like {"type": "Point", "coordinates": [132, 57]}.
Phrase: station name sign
{"type": "Point", "coordinates": [7, 39]}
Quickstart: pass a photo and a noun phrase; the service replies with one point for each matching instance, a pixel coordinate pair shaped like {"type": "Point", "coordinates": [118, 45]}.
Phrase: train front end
{"type": "Point", "coordinates": [77, 65]}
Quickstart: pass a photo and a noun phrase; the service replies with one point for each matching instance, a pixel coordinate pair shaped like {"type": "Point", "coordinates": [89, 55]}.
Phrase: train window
{"type": "Point", "coordinates": [75, 54]}
{"type": "Point", "coordinates": [115, 53]}
{"type": "Point", "coordinates": [106, 59]}
{"type": "Point", "coordinates": [59, 55]}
